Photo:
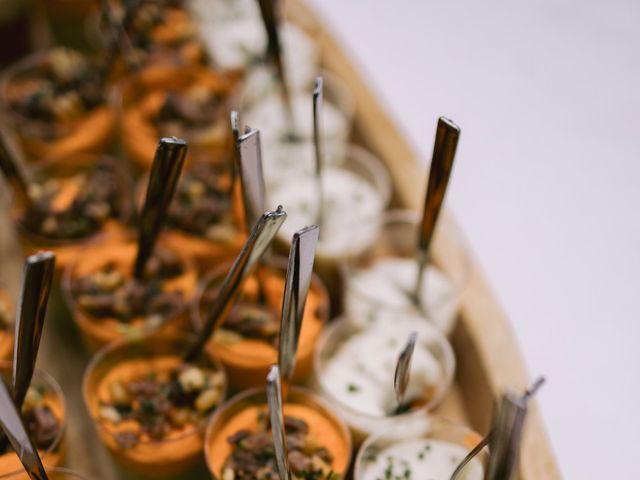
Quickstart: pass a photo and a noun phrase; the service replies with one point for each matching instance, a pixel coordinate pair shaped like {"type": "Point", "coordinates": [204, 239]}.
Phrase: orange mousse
{"type": "Point", "coordinates": [187, 102]}
{"type": "Point", "coordinates": [72, 204]}
{"type": "Point", "coordinates": [326, 439]}
{"type": "Point", "coordinates": [6, 325]}
{"type": "Point", "coordinates": [109, 304]}
{"type": "Point", "coordinates": [150, 407]}
{"type": "Point", "coordinates": [58, 104]}
{"type": "Point", "coordinates": [246, 344]}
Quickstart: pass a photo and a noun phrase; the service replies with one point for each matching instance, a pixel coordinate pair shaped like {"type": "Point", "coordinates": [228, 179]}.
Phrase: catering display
{"type": "Point", "coordinates": [145, 166]}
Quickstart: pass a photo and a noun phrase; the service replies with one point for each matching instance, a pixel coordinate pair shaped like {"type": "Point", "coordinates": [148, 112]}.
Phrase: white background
{"type": "Point", "coordinates": [546, 183]}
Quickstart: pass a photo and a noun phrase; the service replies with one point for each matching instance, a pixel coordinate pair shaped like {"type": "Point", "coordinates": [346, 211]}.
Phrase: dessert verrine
{"type": "Point", "coordinates": [247, 342]}
{"type": "Point", "coordinates": [288, 150]}
{"type": "Point", "coordinates": [427, 448]}
{"type": "Point", "coordinates": [149, 406]}
{"type": "Point", "coordinates": [239, 444]}
{"type": "Point", "coordinates": [381, 280]}
{"type": "Point", "coordinates": [354, 197]}
{"type": "Point", "coordinates": [6, 324]}
{"type": "Point", "coordinates": [58, 103]}
{"type": "Point", "coordinates": [44, 415]}
{"type": "Point", "coordinates": [108, 302]}
{"type": "Point", "coordinates": [354, 370]}
{"type": "Point", "coordinates": [203, 216]}
{"type": "Point", "coordinates": [52, 474]}
{"type": "Point", "coordinates": [72, 203]}
{"type": "Point", "coordinates": [188, 102]}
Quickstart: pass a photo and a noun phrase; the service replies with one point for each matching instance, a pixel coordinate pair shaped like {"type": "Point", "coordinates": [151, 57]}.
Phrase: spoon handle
{"type": "Point", "coordinates": [271, 19]}
{"type": "Point", "coordinates": [38, 274]}
{"type": "Point", "coordinates": [14, 429]}
{"type": "Point", "coordinates": [444, 151]}
{"type": "Point", "coordinates": [297, 282]}
{"type": "Point", "coordinates": [276, 415]}
{"type": "Point", "coordinates": [165, 171]}
{"type": "Point", "coordinates": [251, 175]}
{"type": "Point", "coordinates": [13, 174]}
{"type": "Point", "coordinates": [260, 238]}
{"type": "Point", "coordinates": [317, 143]}
{"type": "Point", "coordinates": [403, 368]}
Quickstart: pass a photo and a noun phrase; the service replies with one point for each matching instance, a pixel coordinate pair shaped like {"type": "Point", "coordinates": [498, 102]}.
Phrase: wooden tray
{"type": "Point", "coordinates": [488, 358]}
{"type": "Point", "coordinates": [487, 355]}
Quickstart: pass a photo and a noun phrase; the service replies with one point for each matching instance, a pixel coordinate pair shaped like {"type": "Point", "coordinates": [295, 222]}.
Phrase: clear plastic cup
{"type": "Point", "coordinates": [178, 455]}
{"type": "Point", "coordinates": [99, 331]}
{"type": "Point", "coordinates": [357, 412]}
{"type": "Point", "coordinates": [247, 360]}
{"type": "Point", "coordinates": [52, 474]}
{"type": "Point", "coordinates": [43, 139]}
{"type": "Point", "coordinates": [241, 412]}
{"type": "Point", "coordinates": [428, 446]}
{"type": "Point", "coordinates": [142, 98]}
{"type": "Point", "coordinates": [380, 280]}
{"type": "Point", "coordinates": [67, 249]}
{"type": "Point", "coordinates": [53, 397]}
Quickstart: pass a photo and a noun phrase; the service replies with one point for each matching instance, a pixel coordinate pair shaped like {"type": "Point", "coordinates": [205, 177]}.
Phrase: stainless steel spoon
{"type": "Point", "coordinates": [504, 438]}
{"type": "Point", "coordinates": [251, 175]}
{"type": "Point", "coordinates": [37, 278]}
{"type": "Point", "coordinates": [444, 151]}
{"type": "Point", "coordinates": [271, 19]}
{"type": "Point", "coordinates": [403, 369]}
{"type": "Point", "coordinates": [276, 415]}
{"type": "Point", "coordinates": [317, 143]}
{"type": "Point", "coordinates": [260, 238]}
{"type": "Point", "coordinates": [14, 429]}
{"type": "Point", "coordinates": [297, 282]}
{"type": "Point", "coordinates": [165, 171]}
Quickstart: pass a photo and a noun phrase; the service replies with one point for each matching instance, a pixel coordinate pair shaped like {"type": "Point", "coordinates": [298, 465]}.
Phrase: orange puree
{"type": "Point", "coordinates": [177, 452]}
{"type": "Point", "coordinates": [52, 457]}
{"type": "Point", "coordinates": [247, 360]}
{"type": "Point", "coordinates": [143, 98]}
{"type": "Point", "coordinates": [242, 413]}
{"type": "Point", "coordinates": [101, 331]}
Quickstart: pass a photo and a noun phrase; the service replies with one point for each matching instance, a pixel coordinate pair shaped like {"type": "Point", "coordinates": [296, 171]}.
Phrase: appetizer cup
{"type": "Point", "coordinates": [354, 372]}
{"type": "Point", "coordinates": [149, 408]}
{"type": "Point", "coordinates": [107, 304]}
{"type": "Point", "coordinates": [81, 202]}
{"type": "Point", "coordinates": [45, 418]}
{"type": "Point", "coordinates": [428, 447]}
{"type": "Point", "coordinates": [248, 351]}
{"type": "Point", "coordinates": [186, 102]}
{"type": "Point", "coordinates": [355, 195]}
{"type": "Point", "coordinates": [61, 125]}
{"type": "Point", "coordinates": [380, 280]}
{"type": "Point", "coordinates": [202, 216]}
{"type": "Point", "coordinates": [7, 315]}
{"type": "Point", "coordinates": [245, 412]}
{"type": "Point", "coordinates": [52, 474]}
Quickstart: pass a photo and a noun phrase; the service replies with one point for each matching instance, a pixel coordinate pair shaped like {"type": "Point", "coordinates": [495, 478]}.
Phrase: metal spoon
{"type": "Point", "coordinates": [444, 151]}
{"type": "Point", "coordinates": [165, 170]}
{"type": "Point", "coordinates": [317, 144]}
{"type": "Point", "coordinates": [251, 175]}
{"type": "Point", "coordinates": [38, 274]}
{"type": "Point", "coordinates": [297, 282]}
{"type": "Point", "coordinates": [260, 238]}
{"type": "Point", "coordinates": [15, 176]}
{"type": "Point", "coordinates": [489, 439]}
{"type": "Point", "coordinates": [276, 415]}
{"type": "Point", "coordinates": [235, 164]}
{"type": "Point", "coordinates": [271, 19]}
{"type": "Point", "coordinates": [14, 429]}
{"type": "Point", "coordinates": [403, 367]}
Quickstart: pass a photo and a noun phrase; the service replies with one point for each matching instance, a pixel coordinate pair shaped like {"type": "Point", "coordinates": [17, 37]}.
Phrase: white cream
{"type": "Point", "coordinates": [360, 371]}
{"type": "Point", "coordinates": [352, 210]}
{"type": "Point", "coordinates": [384, 289]}
{"type": "Point", "coordinates": [419, 459]}
{"type": "Point", "coordinates": [270, 117]}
